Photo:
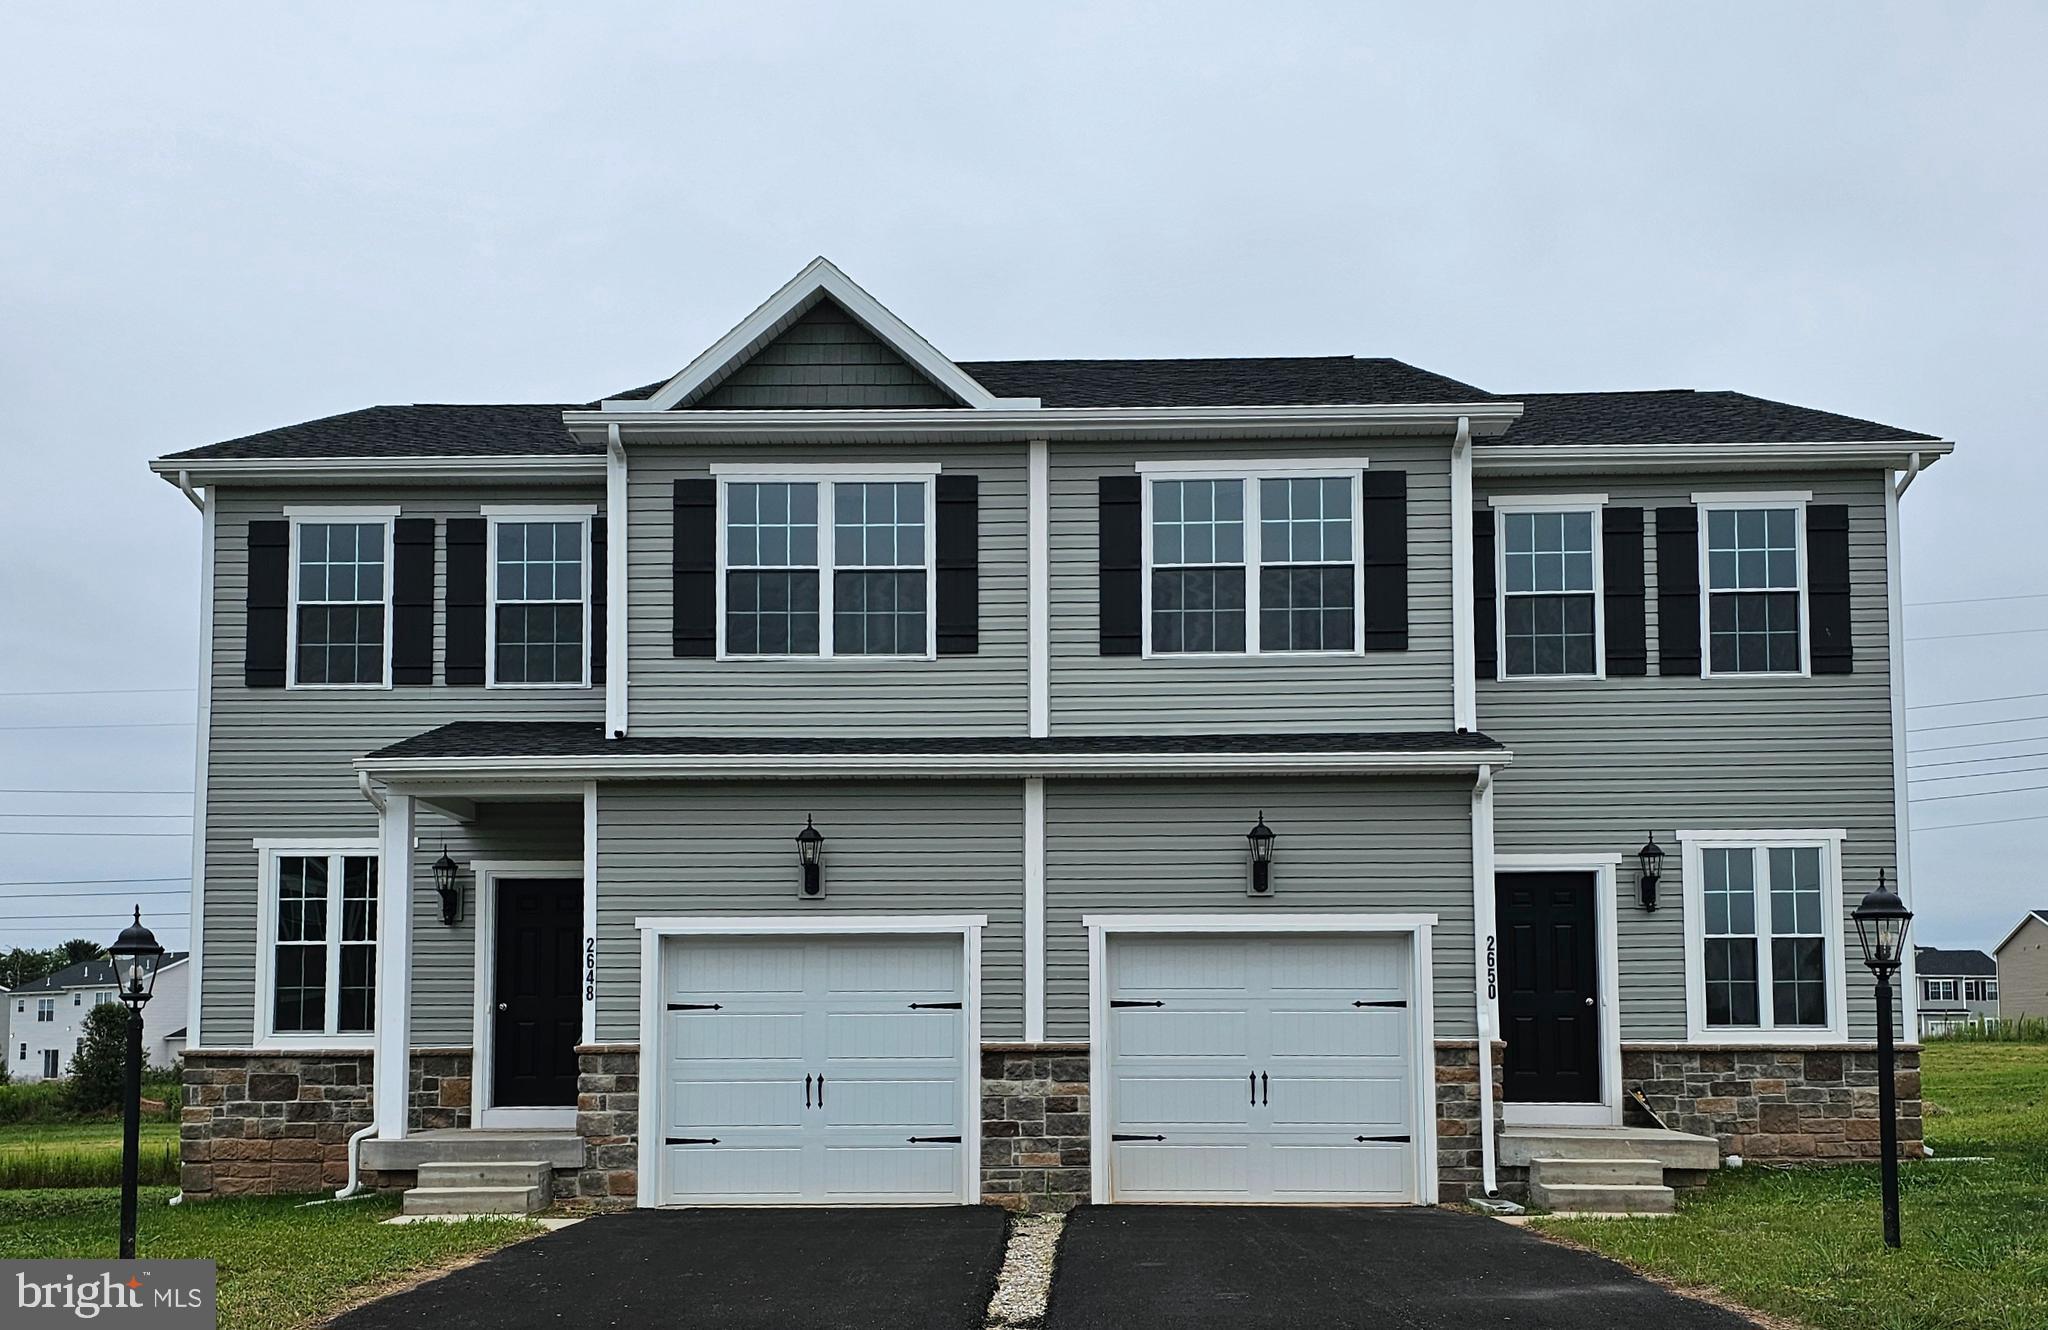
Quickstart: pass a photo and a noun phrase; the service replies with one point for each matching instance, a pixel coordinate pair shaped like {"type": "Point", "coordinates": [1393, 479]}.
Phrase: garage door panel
{"type": "Point", "coordinates": [1335, 1033]}
{"type": "Point", "coordinates": [700, 969]}
{"type": "Point", "coordinates": [1346, 965]}
{"type": "Point", "coordinates": [931, 1035]}
{"type": "Point", "coordinates": [909, 1103]}
{"type": "Point", "coordinates": [731, 1104]}
{"type": "Point", "coordinates": [1154, 1102]}
{"type": "Point", "coordinates": [1142, 1032]}
{"type": "Point", "coordinates": [737, 1037]}
{"type": "Point", "coordinates": [1180, 965]}
{"type": "Point", "coordinates": [894, 967]}
{"type": "Point", "coordinates": [863, 1173]}
{"type": "Point", "coordinates": [1340, 1171]}
{"type": "Point", "coordinates": [726, 1173]}
{"type": "Point", "coordinates": [1151, 1170]}
{"type": "Point", "coordinates": [1347, 1101]}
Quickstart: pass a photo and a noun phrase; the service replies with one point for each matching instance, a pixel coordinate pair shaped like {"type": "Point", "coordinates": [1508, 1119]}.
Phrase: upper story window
{"type": "Point", "coordinates": [341, 599]}
{"type": "Point", "coordinates": [1294, 588]}
{"type": "Point", "coordinates": [540, 598]}
{"type": "Point", "coordinates": [46, 1010]}
{"type": "Point", "coordinates": [1764, 933]}
{"type": "Point", "coordinates": [78, 999]}
{"type": "Point", "coordinates": [319, 963]}
{"type": "Point", "coordinates": [1980, 990]}
{"type": "Point", "coordinates": [863, 590]}
{"type": "Point", "coordinates": [1549, 577]}
{"type": "Point", "coordinates": [1755, 585]}
{"type": "Point", "coordinates": [1940, 990]}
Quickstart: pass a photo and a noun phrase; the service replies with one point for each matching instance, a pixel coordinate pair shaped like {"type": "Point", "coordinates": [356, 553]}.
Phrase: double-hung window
{"type": "Point", "coordinates": [1941, 990]}
{"type": "Point", "coordinates": [1755, 584]}
{"type": "Point", "coordinates": [341, 598]}
{"type": "Point", "coordinates": [1290, 585]}
{"type": "Point", "coordinates": [1764, 934]}
{"type": "Point", "coordinates": [1980, 990]}
{"type": "Point", "coordinates": [46, 1010]}
{"type": "Point", "coordinates": [861, 588]}
{"type": "Point", "coordinates": [1549, 576]}
{"type": "Point", "coordinates": [320, 957]}
{"type": "Point", "coordinates": [540, 598]}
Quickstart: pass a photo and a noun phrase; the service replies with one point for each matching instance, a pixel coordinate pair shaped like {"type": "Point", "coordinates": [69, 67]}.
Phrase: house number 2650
{"type": "Point", "coordinates": [1492, 970]}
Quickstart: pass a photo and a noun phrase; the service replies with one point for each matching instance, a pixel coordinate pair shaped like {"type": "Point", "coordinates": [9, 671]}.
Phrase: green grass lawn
{"type": "Point", "coordinates": [1808, 1244]}
{"type": "Point", "coordinates": [280, 1265]}
{"type": "Point", "coordinates": [82, 1154]}
{"type": "Point", "coordinates": [72, 1135]}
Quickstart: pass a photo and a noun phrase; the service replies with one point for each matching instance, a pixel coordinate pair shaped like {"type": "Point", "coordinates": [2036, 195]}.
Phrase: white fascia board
{"type": "Point", "coordinates": [1541, 459]}
{"type": "Point", "coordinates": [439, 772]}
{"type": "Point", "coordinates": [370, 470]}
{"type": "Point", "coordinates": [1258, 923]}
{"type": "Point", "coordinates": [820, 277]}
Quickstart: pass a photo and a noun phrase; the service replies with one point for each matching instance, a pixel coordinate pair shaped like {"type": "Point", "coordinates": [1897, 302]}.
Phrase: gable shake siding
{"type": "Point", "coordinates": [1387, 846]}
{"type": "Point", "coordinates": [1601, 763]}
{"type": "Point", "coordinates": [278, 767]}
{"type": "Point", "coordinates": [1382, 690]}
{"type": "Point", "coordinates": [729, 848]}
{"type": "Point", "coordinates": [824, 359]}
{"type": "Point", "coordinates": [980, 694]}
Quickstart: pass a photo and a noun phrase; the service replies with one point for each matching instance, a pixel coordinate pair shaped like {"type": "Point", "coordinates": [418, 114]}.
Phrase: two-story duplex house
{"type": "Point", "coordinates": [1957, 988]}
{"type": "Point", "coordinates": [48, 1016]}
{"type": "Point", "coordinates": [840, 773]}
{"type": "Point", "coordinates": [2023, 968]}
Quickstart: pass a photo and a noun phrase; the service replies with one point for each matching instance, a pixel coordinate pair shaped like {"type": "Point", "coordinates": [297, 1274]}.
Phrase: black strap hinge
{"type": "Point", "coordinates": [1124, 1136]}
{"type": "Point", "coordinates": [935, 1140]}
{"type": "Point", "coordinates": [691, 1140]}
{"type": "Point", "coordinates": [1397, 1002]}
{"type": "Point", "coordinates": [935, 1006]}
{"type": "Point", "coordinates": [1403, 1140]}
{"type": "Point", "coordinates": [695, 1006]}
{"type": "Point", "coordinates": [1133, 1002]}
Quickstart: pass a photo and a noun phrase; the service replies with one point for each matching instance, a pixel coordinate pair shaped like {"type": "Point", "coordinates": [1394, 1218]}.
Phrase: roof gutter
{"type": "Point", "coordinates": [370, 470]}
{"type": "Point", "coordinates": [1535, 459]}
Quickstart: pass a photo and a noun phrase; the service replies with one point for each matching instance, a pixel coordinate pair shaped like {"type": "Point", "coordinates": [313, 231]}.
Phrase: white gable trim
{"type": "Point", "coordinates": [819, 276]}
{"type": "Point", "coordinates": [2032, 917]}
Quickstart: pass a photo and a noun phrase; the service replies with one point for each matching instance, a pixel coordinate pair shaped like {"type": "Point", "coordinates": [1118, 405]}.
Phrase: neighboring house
{"type": "Point", "coordinates": [2023, 968]}
{"type": "Point", "coordinates": [1956, 988]}
{"type": "Point", "coordinates": [48, 1016]}
{"type": "Point", "coordinates": [6, 1024]}
{"type": "Point", "coordinates": [1023, 653]}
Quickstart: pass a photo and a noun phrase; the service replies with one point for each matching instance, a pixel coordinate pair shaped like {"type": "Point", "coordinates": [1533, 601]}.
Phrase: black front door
{"type": "Point", "coordinates": [1549, 999]}
{"type": "Point", "coordinates": [539, 1014]}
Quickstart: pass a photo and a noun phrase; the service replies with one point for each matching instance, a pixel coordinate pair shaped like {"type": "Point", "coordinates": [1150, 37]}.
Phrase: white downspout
{"type": "Point", "coordinates": [1902, 807]}
{"type": "Point", "coordinates": [356, 1139]}
{"type": "Point", "coordinates": [1464, 687]}
{"type": "Point", "coordinates": [618, 529]}
{"type": "Point", "coordinates": [1906, 481]}
{"type": "Point", "coordinates": [1485, 958]}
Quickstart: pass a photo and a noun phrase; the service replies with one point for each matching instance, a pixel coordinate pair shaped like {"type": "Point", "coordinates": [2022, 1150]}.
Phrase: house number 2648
{"type": "Point", "coordinates": [590, 969]}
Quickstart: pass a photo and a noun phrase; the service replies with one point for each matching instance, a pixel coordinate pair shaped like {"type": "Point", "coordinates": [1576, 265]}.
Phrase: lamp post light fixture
{"type": "Point", "coordinates": [1260, 839]}
{"type": "Point", "coordinates": [137, 952]}
{"type": "Point", "coordinates": [1881, 922]}
{"type": "Point", "coordinates": [1651, 857]}
{"type": "Point", "coordinates": [810, 857]}
{"type": "Point", "coordinates": [444, 884]}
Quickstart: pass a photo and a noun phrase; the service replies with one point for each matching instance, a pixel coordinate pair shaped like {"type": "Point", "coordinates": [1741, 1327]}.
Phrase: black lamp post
{"type": "Point", "coordinates": [810, 854]}
{"type": "Point", "coordinates": [1260, 839]}
{"type": "Point", "coordinates": [137, 951]}
{"type": "Point", "coordinates": [1881, 922]}
{"type": "Point", "coordinates": [1651, 860]}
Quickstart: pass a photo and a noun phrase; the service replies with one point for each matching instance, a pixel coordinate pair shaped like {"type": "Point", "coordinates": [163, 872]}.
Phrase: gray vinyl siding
{"type": "Point", "coordinates": [933, 847]}
{"type": "Point", "coordinates": [278, 764]}
{"type": "Point", "coordinates": [824, 359]}
{"type": "Point", "coordinates": [2023, 973]}
{"type": "Point", "coordinates": [1381, 690]}
{"type": "Point", "coordinates": [983, 693]}
{"type": "Point", "coordinates": [1600, 764]}
{"type": "Point", "coordinates": [1384, 846]}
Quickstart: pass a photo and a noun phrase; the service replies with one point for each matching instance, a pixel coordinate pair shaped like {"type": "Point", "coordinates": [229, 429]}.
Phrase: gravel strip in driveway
{"type": "Point", "coordinates": [1019, 1303]}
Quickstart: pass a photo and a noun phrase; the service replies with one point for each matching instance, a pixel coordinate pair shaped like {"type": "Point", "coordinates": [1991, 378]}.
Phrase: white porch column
{"type": "Point", "coordinates": [391, 1070]}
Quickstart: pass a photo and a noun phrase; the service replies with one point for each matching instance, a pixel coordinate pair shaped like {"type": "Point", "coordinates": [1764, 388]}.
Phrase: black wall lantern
{"type": "Point", "coordinates": [1260, 838]}
{"type": "Point", "coordinates": [810, 856]}
{"type": "Point", "coordinates": [444, 883]}
{"type": "Point", "coordinates": [1651, 857]}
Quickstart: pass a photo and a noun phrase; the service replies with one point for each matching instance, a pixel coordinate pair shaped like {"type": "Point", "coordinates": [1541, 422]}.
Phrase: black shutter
{"type": "Point", "coordinates": [1827, 597]}
{"type": "Point", "coordinates": [1621, 557]}
{"type": "Point", "coordinates": [1383, 538]}
{"type": "Point", "coordinates": [600, 577]}
{"type": "Point", "coordinates": [694, 568]}
{"type": "Point", "coordinates": [1678, 591]}
{"type": "Point", "coordinates": [958, 549]}
{"type": "Point", "coordinates": [468, 548]}
{"type": "Point", "coordinates": [1119, 564]}
{"type": "Point", "coordinates": [412, 600]}
{"type": "Point", "coordinates": [1485, 618]}
{"type": "Point", "coordinates": [267, 603]}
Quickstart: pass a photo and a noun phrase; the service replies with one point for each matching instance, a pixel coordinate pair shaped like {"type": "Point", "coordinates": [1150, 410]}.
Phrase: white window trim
{"type": "Point", "coordinates": [268, 852]}
{"type": "Point", "coordinates": [1562, 503]}
{"type": "Point", "coordinates": [1736, 501]}
{"type": "Point", "coordinates": [46, 1010]}
{"type": "Point", "coordinates": [1829, 840]}
{"type": "Point", "coordinates": [318, 516]}
{"type": "Point", "coordinates": [1932, 996]}
{"type": "Point", "coordinates": [826, 477]}
{"type": "Point", "coordinates": [581, 514]}
{"type": "Point", "coordinates": [1249, 474]}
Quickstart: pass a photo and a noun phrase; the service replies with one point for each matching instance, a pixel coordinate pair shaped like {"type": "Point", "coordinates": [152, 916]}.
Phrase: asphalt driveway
{"type": "Point", "coordinates": [918, 1269]}
{"type": "Point", "coordinates": [1129, 1267]}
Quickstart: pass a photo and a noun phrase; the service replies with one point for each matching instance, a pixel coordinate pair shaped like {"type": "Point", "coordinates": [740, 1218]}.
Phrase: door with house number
{"type": "Point", "coordinates": [538, 1013]}
{"type": "Point", "coordinates": [1550, 1001]}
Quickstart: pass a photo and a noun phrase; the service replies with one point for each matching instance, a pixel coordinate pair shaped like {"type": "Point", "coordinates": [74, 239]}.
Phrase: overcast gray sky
{"type": "Point", "coordinates": [214, 221]}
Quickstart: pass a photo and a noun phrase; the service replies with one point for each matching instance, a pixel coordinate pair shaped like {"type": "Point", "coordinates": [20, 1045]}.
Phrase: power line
{"type": "Point", "coordinates": [76, 816]}
{"type": "Point", "coordinates": [186, 793]}
{"type": "Point", "coordinates": [30, 831]}
{"type": "Point", "coordinates": [1993, 822]}
{"type": "Point", "coordinates": [79, 895]}
{"type": "Point", "coordinates": [1977, 701]}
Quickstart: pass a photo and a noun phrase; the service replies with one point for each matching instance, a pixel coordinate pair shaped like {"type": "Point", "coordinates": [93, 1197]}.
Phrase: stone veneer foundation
{"type": "Point", "coordinates": [1776, 1105]}
{"type": "Point", "coordinates": [608, 1120]}
{"type": "Point", "coordinates": [1034, 1126]}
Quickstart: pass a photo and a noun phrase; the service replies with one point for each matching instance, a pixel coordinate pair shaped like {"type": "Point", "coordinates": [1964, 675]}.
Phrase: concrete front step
{"type": "Point", "coordinates": [1522, 1146]}
{"type": "Point", "coordinates": [1603, 1198]}
{"type": "Point", "coordinates": [563, 1149]}
{"type": "Point", "coordinates": [1592, 1172]}
{"type": "Point", "coordinates": [475, 1200]}
{"type": "Point", "coordinates": [517, 1173]}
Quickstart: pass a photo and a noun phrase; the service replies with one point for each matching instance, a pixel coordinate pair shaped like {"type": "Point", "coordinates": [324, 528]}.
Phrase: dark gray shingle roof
{"type": "Point", "coordinates": [1940, 962]}
{"type": "Point", "coordinates": [87, 974]}
{"type": "Point", "coordinates": [1683, 415]}
{"type": "Point", "coordinates": [495, 738]}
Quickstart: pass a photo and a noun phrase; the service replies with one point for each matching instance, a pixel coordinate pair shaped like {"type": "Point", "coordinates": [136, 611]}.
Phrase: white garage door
{"type": "Point", "coordinates": [1246, 1068]}
{"type": "Point", "coordinates": [813, 1071]}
